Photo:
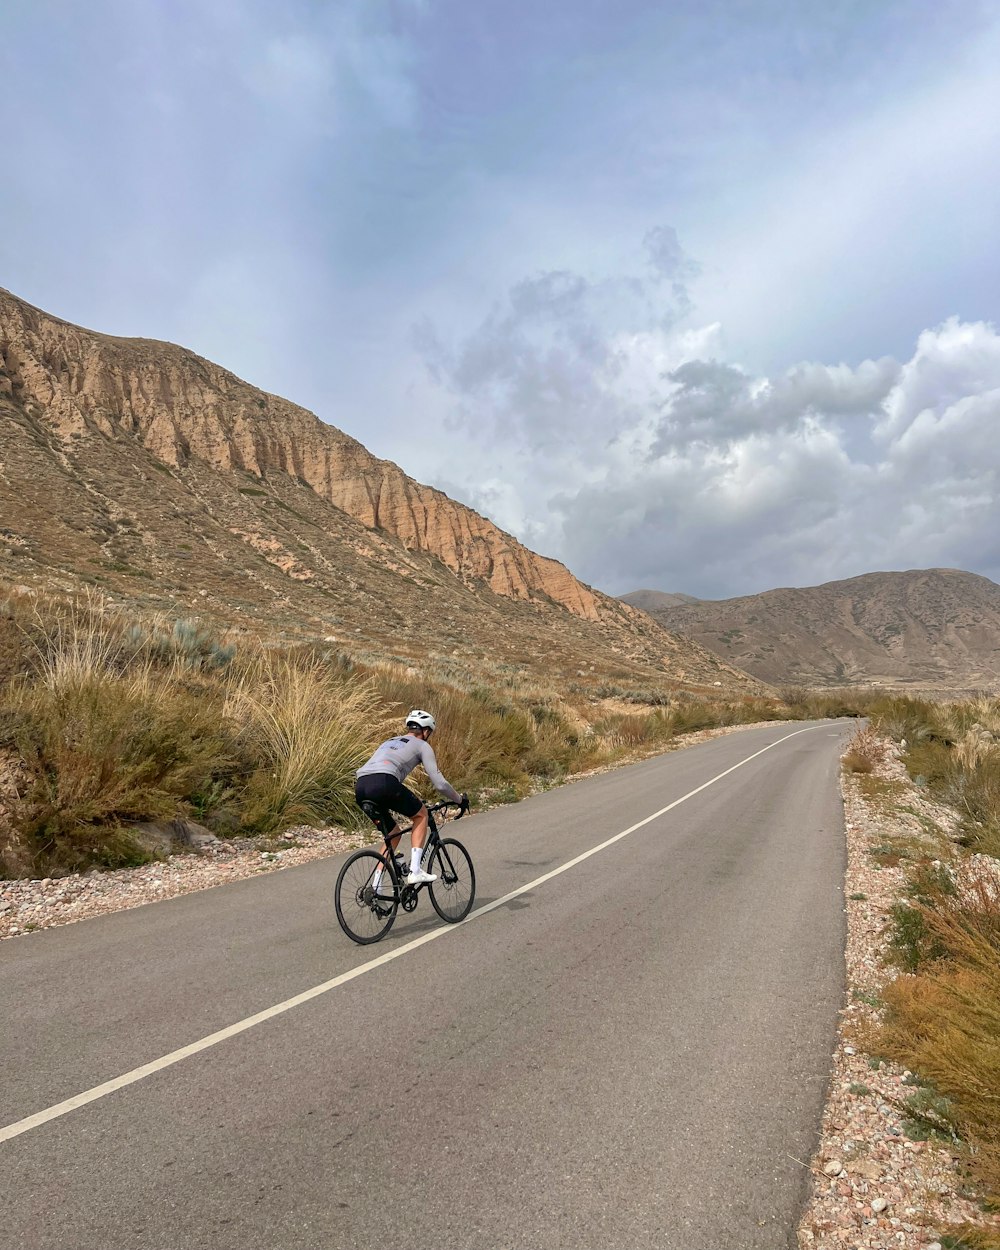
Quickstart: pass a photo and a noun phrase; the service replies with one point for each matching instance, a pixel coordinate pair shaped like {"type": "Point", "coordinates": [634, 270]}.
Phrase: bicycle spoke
{"type": "Point", "coordinates": [364, 914]}
{"type": "Point", "coordinates": [454, 891]}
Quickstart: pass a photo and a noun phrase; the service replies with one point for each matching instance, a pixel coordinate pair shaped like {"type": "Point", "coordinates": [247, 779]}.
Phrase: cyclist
{"type": "Point", "coordinates": [380, 781]}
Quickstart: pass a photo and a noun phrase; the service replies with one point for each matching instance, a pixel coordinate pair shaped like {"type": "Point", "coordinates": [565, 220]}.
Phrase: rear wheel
{"type": "Point", "coordinates": [454, 891]}
{"type": "Point", "coordinates": [364, 915]}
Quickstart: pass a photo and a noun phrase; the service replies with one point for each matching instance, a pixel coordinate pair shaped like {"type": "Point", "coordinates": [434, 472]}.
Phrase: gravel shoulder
{"type": "Point", "coordinates": [873, 1187]}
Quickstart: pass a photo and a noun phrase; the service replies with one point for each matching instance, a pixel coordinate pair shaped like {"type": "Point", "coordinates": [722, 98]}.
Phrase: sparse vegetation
{"type": "Point", "coordinates": [108, 719]}
{"type": "Point", "coordinates": [941, 1016]}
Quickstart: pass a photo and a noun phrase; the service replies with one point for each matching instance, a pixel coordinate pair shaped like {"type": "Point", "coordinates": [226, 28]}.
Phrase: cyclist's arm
{"type": "Point", "coordinates": [429, 761]}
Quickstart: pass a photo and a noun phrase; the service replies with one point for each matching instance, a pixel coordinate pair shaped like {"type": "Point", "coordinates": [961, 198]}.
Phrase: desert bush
{"type": "Point", "coordinates": [626, 732]}
{"type": "Point", "coordinates": [103, 748]}
{"type": "Point", "coordinates": [749, 710]}
{"type": "Point", "coordinates": [689, 717]}
{"type": "Point", "coordinates": [855, 762]}
{"type": "Point", "coordinates": [557, 746]}
{"type": "Point", "coordinates": [954, 748]}
{"type": "Point", "coordinates": [943, 1020]}
{"type": "Point", "coordinates": [302, 730]}
{"type": "Point", "coordinates": [827, 704]}
{"type": "Point", "coordinates": [903, 718]}
{"type": "Point", "coordinates": [189, 645]}
{"type": "Point", "coordinates": [974, 789]}
{"type": "Point", "coordinates": [865, 751]}
{"type": "Point", "coordinates": [484, 740]}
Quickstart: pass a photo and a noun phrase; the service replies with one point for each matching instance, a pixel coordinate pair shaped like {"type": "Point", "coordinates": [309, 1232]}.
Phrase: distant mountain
{"type": "Point", "coordinates": [166, 482]}
{"type": "Point", "coordinates": [936, 628]}
{"type": "Point", "coordinates": [651, 600]}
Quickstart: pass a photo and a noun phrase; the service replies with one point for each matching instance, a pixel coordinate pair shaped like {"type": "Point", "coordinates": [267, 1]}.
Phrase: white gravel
{"type": "Point", "coordinates": [26, 906]}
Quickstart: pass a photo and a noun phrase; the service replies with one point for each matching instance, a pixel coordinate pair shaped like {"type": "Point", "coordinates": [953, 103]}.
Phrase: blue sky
{"type": "Point", "coordinates": [685, 295]}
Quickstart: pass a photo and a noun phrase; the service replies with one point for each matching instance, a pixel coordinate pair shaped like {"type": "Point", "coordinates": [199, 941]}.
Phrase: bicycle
{"type": "Point", "coordinates": [367, 916]}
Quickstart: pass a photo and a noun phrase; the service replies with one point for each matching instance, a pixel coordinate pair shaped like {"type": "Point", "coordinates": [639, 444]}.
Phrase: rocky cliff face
{"type": "Point", "coordinates": [167, 483]}
{"type": "Point", "coordinates": [180, 407]}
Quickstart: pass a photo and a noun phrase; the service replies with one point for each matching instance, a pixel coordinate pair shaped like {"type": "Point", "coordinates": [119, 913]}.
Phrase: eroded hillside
{"type": "Point", "coordinates": [161, 478]}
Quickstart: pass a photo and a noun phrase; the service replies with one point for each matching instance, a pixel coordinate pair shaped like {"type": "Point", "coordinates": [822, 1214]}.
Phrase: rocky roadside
{"type": "Point", "coordinates": [874, 1188]}
{"type": "Point", "coordinates": [27, 906]}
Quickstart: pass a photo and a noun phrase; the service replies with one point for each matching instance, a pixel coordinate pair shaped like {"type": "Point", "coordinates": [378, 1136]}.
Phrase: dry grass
{"type": "Point", "coordinates": [102, 748]}
{"type": "Point", "coordinates": [943, 1020]}
{"type": "Point", "coordinates": [954, 748]}
{"type": "Point", "coordinates": [866, 750]}
{"type": "Point", "coordinates": [306, 729]}
{"type": "Point", "coordinates": [109, 718]}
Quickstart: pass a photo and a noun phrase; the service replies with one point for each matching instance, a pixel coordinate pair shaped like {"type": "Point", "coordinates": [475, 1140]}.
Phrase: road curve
{"type": "Point", "coordinates": [631, 1054]}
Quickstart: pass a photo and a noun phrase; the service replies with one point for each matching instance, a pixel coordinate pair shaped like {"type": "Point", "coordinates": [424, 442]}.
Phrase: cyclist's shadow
{"type": "Point", "coordinates": [429, 920]}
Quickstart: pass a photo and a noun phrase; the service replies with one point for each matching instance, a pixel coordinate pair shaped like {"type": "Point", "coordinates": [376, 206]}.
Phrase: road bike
{"type": "Point", "coordinates": [367, 915]}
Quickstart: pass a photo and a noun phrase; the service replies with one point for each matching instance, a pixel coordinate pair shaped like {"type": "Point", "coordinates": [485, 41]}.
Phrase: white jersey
{"type": "Point", "coordinates": [400, 756]}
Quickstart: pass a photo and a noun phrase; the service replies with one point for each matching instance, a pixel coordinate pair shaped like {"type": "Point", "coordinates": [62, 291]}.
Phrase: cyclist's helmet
{"type": "Point", "coordinates": [418, 719]}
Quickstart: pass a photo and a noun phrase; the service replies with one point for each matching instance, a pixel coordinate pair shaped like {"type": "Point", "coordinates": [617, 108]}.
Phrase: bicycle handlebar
{"type": "Point", "coordinates": [463, 807]}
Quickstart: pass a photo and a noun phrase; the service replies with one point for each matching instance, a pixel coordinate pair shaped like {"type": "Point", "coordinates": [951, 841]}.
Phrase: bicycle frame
{"type": "Point", "coordinates": [433, 840]}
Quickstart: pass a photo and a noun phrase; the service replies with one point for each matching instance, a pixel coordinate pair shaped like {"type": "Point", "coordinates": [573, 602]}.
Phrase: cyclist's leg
{"type": "Point", "coordinates": [408, 803]}
{"type": "Point", "coordinates": [370, 794]}
{"type": "Point", "coordinates": [419, 835]}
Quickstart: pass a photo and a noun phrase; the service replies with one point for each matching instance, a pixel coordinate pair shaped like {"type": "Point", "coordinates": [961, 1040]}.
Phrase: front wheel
{"type": "Point", "coordinates": [365, 914]}
{"type": "Point", "coordinates": [454, 891]}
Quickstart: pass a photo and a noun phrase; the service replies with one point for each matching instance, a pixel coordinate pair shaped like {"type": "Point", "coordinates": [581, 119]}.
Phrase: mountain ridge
{"type": "Point", "coordinates": [935, 628]}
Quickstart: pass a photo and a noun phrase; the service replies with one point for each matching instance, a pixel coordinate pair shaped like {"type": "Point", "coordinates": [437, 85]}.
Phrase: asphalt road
{"type": "Point", "coordinates": [631, 1054]}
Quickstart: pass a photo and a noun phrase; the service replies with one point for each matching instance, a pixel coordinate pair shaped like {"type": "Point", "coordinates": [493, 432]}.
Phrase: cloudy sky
{"type": "Point", "coordinates": [700, 296]}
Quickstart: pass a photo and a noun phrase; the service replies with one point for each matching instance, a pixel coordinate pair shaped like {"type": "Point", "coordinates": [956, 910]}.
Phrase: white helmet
{"type": "Point", "coordinates": [420, 720]}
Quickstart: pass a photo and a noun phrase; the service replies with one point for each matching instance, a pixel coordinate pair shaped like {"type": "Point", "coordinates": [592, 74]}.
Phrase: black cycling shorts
{"type": "Point", "coordinates": [389, 795]}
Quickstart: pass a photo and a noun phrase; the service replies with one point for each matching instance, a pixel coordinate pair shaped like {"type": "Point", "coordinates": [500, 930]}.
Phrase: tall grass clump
{"type": "Point", "coordinates": [104, 741]}
{"type": "Point", "coordinates": [942, 1019]}
{"type": "Point", "coordinates": [302, 729]}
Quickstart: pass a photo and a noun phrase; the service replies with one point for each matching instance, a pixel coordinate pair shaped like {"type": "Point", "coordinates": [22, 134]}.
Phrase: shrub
{"type": "Point", "coordinates": [944, 1022]}
{"type": "Point", "coordinates": [903, 718]}
{"type": "Point", "coordinates": [865, 751]}
{"type": "Point", "coordinates": [188, 645]}
{"type": "Point", "coordinates": [103, 749]}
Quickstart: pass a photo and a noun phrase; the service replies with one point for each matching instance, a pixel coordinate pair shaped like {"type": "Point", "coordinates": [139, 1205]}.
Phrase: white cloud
{"type": "Point", "coordinates": [638, 456]}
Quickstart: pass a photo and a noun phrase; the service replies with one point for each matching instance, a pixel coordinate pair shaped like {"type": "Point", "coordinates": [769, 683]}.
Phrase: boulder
{"type": "Point", "coordinates": [164, 837]}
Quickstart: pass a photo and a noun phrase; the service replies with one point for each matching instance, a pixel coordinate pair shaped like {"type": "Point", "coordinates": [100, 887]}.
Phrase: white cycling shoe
{"type": "Point", "coordinates": [420, 877]}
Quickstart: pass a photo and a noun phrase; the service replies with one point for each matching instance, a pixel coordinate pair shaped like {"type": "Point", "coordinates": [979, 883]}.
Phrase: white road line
{"type": "Point", "coordinates": [213, 1039]}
